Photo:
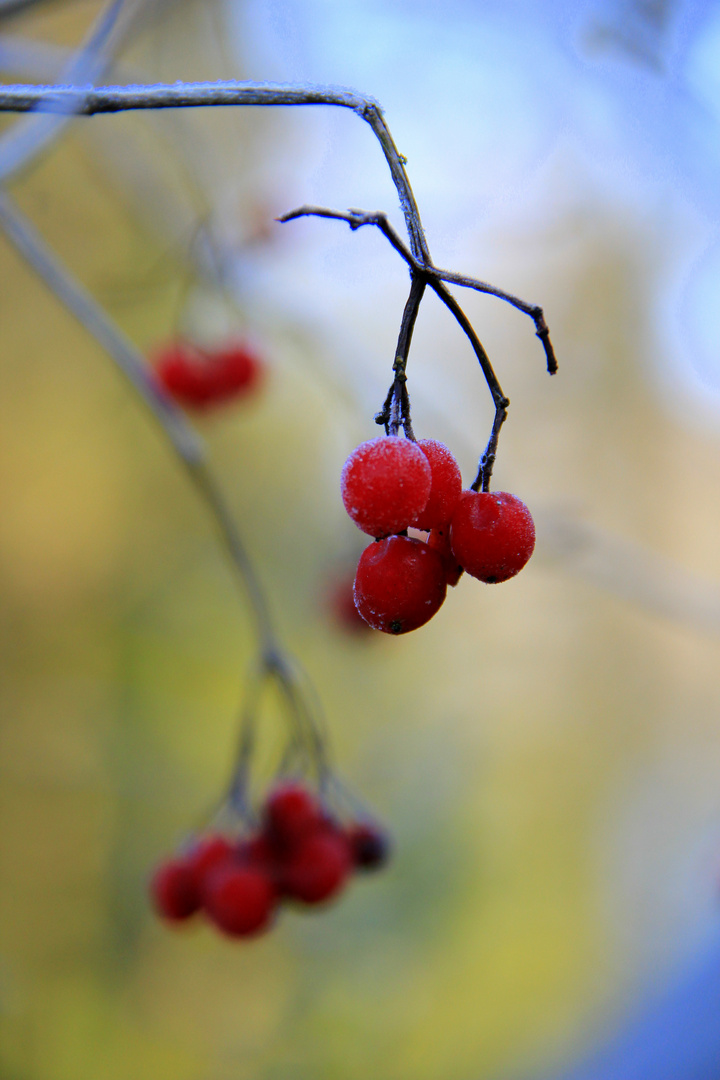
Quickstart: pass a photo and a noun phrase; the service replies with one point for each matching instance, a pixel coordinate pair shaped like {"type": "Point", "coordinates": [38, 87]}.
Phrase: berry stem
{"type": "Point", "coordinates": [396, 409]}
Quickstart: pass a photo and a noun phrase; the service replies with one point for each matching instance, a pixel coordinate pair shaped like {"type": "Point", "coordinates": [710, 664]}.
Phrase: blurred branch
{"type": "Point", "coordinates": [629, 570]}
{"type": "Point", "coordinates": [26, 139]}
{"type": "Point", "coordinates": [11, 7]}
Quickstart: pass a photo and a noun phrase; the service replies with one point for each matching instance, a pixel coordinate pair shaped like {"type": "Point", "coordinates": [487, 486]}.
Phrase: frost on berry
{"type": "Point", "coordinates": [492, 535]}
{"type": "Point", "coordinates": [445, 488]}
{"type": "Point", "coordinates": [399, 584]}
{"type": "Point", "coordinates": [385, 484]}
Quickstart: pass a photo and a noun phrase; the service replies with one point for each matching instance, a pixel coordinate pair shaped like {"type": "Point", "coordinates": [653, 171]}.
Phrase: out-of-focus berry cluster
{"type": "Point", "coordinates": [204, 378]}
{"type": "Point", "coordinates": [299, 854]}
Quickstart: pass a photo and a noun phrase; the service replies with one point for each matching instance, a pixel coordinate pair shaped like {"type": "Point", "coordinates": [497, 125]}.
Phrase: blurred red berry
{"type": "Point", "coordinates": [445, 487]}
{"type": "Point", "coordinates": [385, 484]}
{"type": "Point", "coordinates": [492, 535]}
{"type": "Point", "coordinates": [235, 370]}
{"type": "Point", "coordinates": [240, 900]}
{"type": "Point", "coordinates": [318, 868]}
{"type": "Point", "coordinates": [173, 890]}
{"type": "Point", "coordinates": [206, 854]}
{"type": "Point", "coordinates": [291, 812]}
{"type": "Point", "coordinates": [399, 584]}
{"type": "Point", "coordinates": [369, 845]}
{"type": "Point", "coordinates": [202, 378]}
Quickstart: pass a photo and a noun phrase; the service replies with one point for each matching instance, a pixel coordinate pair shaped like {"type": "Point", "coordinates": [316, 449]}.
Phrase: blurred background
{"type": "Point", "coordinates": [546, 753]}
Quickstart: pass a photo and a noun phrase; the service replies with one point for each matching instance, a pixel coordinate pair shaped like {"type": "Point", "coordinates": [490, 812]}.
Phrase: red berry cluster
{"type": "Point", "coordinates": [300, 853]}
{"type": "Point", "coordinates": [390, 484]}
{"type": "Point", "coordinates": [203, 378]}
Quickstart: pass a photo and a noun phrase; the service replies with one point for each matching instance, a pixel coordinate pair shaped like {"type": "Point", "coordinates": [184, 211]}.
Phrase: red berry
{"type": "Point", "coordinates": [208, 853]}
{"type": "Point", "coordinates": [445, 489]}
{"type": "Point", "coordinates": [240, 900]}
{"type": "Point", "coordinates": [385, 484]}
{"type": "Point", "coordinates": [261, 853]}
{"type": "Point", "coordinates": [201, 378]}
{"type": "Point", "coordinates": [291, 812]}
{"type": "Point", "coordinates": [173, 890]}
{"type": "Point", "coordinates": [369, 846]}
{"type": "Point", "coordinates": [492, 535]}
{"type": "Point", "coordinates": [233, 370]}
{"type": "Point", "coordinates": [318, 869]}
{"type": "Point", "coordinates": [180, 370]}
{"type": "Point", "coordinates": [439, 540]}
{"type": "Point", "coordinates": [399, 584]}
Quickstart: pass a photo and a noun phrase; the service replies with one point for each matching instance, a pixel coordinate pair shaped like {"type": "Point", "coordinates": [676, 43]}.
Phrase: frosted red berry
{"type": "Point", "coordinates": [385, 484]}
{"type": "Point", "coordinates": [318, 869]}
{"type": "Point", "coordinates": [369, 846]}
{"type": "Point", "coordinates": [173, 890]}
{"type": "Point", "coordinates": [492, 535]}
{"type": "Point", "coordinates": [239, 899]}
{"type": "Point", "coordinates": [399, 584]}
{"type": "Point", "coordinates": [445, 486]}
{"type": "Point", "coordinates": [291, 812]}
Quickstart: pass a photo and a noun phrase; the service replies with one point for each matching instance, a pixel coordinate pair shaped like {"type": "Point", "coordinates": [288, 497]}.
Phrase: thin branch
{"type": "Point", "coordinates": [107, 99]}
{"type": "Point", "coordinates": [501, 402]}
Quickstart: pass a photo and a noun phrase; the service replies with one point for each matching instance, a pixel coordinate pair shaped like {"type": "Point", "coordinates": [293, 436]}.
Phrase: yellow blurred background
{"type": "Point", "coordinates": [545, 753]}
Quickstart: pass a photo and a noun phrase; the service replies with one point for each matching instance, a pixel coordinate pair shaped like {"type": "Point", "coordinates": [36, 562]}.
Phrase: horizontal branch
{"type": "Point", "coordinates": [107, 99]}
{"type": "Point", "coordinates": [89, 101]}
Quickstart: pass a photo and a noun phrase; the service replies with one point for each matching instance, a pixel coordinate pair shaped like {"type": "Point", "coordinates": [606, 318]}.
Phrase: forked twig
{"type": "Point", "coordinates": [425, 273]}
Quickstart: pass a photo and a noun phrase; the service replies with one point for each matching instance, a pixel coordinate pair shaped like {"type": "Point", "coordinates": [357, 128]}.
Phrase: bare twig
{"type": "Point", "coordinates": [108, 99]}
{"type": "Point", "coordinates": [357, 218]}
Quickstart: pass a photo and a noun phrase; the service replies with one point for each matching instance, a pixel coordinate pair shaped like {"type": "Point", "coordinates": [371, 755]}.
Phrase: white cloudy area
{"type": "Point", "coordinates": [511, 115]}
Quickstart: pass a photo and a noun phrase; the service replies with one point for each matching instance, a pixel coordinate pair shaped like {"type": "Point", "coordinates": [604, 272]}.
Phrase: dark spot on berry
{"type": "Point", "coordinates": [396, 627]}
